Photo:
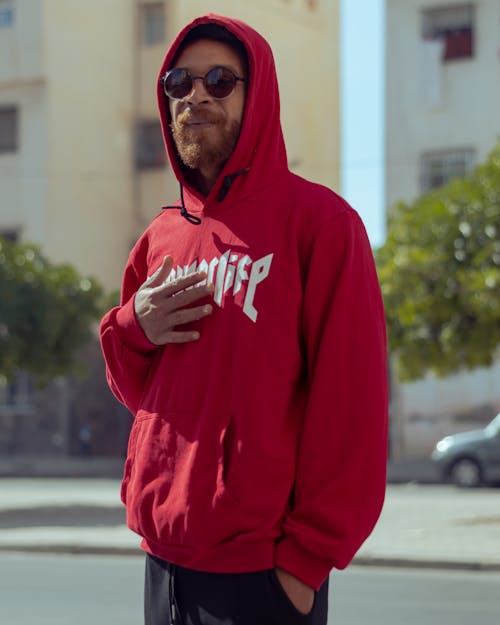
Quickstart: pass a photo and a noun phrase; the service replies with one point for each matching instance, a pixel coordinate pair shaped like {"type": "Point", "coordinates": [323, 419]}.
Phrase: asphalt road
{"type": "Point", "coordinates": [78, 590]}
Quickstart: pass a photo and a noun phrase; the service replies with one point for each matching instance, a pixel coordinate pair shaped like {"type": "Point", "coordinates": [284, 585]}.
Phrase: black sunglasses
{"type": "Point", "coordinates": [219, 82]}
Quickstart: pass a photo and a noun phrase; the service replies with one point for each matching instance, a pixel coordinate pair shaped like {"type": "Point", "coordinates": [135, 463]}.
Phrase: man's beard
{"type": "Point", "coordinates": [197, 149]}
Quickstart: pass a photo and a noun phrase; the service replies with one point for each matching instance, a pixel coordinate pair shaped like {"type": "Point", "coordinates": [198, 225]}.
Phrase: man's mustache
{"type": "Point", "coordinates": [189, 116]}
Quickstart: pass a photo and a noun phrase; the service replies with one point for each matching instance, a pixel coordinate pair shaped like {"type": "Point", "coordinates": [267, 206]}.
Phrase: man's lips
{"type": "Point", "coordinates": [199, 124]}
{"type": "Point", "coordinates": [198, 121]}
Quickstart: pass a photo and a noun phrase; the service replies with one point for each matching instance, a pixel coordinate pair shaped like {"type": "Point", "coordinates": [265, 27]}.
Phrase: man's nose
{"type": "Point", "coordinates": [199, 93]}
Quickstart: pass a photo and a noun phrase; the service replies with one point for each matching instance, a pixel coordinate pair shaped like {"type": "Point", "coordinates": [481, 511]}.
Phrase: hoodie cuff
{"type": "Point", "coordinates": [304, 566]}
{"type": "Point", "coordinates": [131, 333]}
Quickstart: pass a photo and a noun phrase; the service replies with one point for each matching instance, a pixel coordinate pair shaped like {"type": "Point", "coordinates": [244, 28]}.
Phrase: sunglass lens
{"type": "Point", "coordinates": [178, 84]}
{"type": "Point", "coordinates": [219, 82]}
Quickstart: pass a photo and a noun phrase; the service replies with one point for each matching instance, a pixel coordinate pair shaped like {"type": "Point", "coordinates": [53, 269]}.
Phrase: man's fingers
{"type": "Point", "coordinates": [165, 331]}
{"type": "Point", "coordinates": [183, 299]}
{"type": "Point", "coordinates": [180, 337]}
{"type": "Point", "coordinates": [166, 290]}
{"type": "Point", "coordinates": [186, 315]}
{"type": "Point", "coordinates": [161, 274]}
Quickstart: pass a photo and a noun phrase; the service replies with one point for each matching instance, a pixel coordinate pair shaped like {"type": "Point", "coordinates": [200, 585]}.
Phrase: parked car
{"type": "Point", "coordinates": [470, 458]}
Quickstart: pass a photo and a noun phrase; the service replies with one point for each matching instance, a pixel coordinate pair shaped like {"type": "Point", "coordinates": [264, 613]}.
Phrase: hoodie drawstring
{"type": "Point", "coordinates": [196, 221]}
{"type": "Point", "coordinates": [228, 181]}
{"type": "Point", "coordinates": [226, 185]}
{"type": "Point", "coordinates": [171, 594]}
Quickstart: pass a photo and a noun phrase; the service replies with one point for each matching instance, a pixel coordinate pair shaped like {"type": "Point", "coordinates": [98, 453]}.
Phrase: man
{"type": "Point", "coordinates": [250, 346]}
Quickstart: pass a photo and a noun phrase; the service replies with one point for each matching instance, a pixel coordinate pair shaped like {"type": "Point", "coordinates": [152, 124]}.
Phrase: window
{"type": "Point", "coordinates": [454, 25]}
{"type": "Point", "coordinates": [153, 23]}
{"type": "Point", "coordinates": [16, 400]}
{"type": "Point", "coordinates": [437, 168]}
{"type": "Point", "coordinates": [6, 13]}
{"type": "Point", "coordinates": [18, 392]}
{"type": "Point", "coordinates": [9, 129]}
{"type": "Point", "coordinates": [150, 149]}
{"type": "Point", "coordinates": [9, 234]}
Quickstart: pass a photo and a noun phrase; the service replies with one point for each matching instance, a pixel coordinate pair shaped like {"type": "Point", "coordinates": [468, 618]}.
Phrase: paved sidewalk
{"type": "Point", "coordinates": [420, 470]}
{"type": "Point", "coordinates": [427, 526]}
{"type": "Point", "coordinates": [436, 526]}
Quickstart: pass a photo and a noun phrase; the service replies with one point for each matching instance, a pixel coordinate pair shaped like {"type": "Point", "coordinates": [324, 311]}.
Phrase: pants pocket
{"type": "Point", "coordinates": [284, 602]}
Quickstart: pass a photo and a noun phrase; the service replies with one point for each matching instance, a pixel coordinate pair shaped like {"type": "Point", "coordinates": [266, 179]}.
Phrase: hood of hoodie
{"type": "Point", "coordinates": [260, 149]}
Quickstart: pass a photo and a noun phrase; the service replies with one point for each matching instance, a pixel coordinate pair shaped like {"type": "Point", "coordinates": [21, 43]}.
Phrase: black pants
{"type": "Point", "coordinates": [173, 594]}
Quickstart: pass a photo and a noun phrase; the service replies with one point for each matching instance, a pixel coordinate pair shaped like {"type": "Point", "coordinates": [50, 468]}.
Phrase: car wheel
{"type": "Point", "coordinates": [466, 473]}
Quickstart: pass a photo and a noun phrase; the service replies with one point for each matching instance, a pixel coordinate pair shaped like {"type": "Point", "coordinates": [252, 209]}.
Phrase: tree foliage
{"type": "Point", "coordinates": [440, 275]}
{"type": "Point", "coordinates": [46, 312]}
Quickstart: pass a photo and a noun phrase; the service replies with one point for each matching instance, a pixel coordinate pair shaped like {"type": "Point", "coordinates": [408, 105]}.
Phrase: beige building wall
{"type": "Point", "coordinates": [23, 84]}
{"type": "Point", "coordinates": [67, 66]}
{"type": "Point", "coordinates": [89, 51]}
{"type": "Point", "coordinates": [83, 80]}
{"type": "Point", "coordinates": [154, 187]}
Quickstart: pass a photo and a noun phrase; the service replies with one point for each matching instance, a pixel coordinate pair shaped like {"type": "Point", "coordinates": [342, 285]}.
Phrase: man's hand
{"type": "Point", "coordinates": [160, 307]}
{"type": "Point", "coordinates": [300, 595]}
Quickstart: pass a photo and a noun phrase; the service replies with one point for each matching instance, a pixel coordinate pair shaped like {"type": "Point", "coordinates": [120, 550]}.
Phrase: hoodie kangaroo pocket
{"type": "Point", "coordinates": [177, 491]}
{"type": "Point", "coordinates": [129, 461]}
{"type": "Point", "coordinates": [228, 451]}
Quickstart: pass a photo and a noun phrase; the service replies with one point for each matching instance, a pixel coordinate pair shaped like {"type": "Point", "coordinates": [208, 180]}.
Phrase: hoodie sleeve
{"type": "Point", "coordinates": [341, 466]}
{"type": "Point", "coordinates": [128, 353]}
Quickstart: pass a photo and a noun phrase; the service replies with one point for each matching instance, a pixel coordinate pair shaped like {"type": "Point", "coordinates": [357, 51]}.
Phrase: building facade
{"type": "Point", "coordinates": [66, 90]}
{"type": "Point", "coordinates": [82, 162]}
{"type": "Point", "coordinates": [83, 168]}
{"type": "Point", "coordinates": [442, 118]}
{"type": "Point", "coordinates": [442, 91]}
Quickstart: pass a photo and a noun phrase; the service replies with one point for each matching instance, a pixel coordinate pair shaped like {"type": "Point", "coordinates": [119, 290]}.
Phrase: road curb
{"type": "Point", "coordinates": [73, 550]}
{"type": "Point", "coordinates": [371, 561]}
{"type": "Point", "coordinates": [413, 563]}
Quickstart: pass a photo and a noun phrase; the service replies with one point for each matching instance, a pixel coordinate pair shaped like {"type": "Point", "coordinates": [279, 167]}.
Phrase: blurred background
{"type": "Point", "coordinates": [389, 103]}
{"type": "Point", "coordinates": [394, 104]}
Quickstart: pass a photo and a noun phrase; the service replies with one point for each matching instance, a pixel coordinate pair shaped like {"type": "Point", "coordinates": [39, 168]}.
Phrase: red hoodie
{"type": "Point", "coordinates": [263, 443]}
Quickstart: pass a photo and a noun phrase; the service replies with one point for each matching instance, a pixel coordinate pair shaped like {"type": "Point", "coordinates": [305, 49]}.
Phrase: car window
{"type": "Point", "coordinates": [493, 428]}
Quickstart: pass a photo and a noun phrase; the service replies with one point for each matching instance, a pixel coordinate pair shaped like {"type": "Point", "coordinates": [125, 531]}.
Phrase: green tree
{"type": "Point", "coordinates": [47, 312]}
{"type": "Point", "coordinates": [440, 275]}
